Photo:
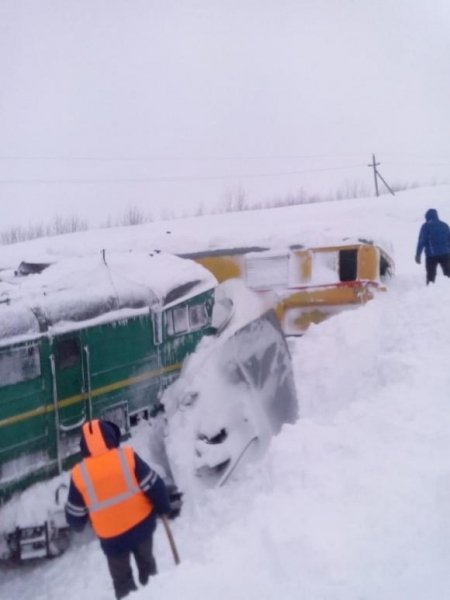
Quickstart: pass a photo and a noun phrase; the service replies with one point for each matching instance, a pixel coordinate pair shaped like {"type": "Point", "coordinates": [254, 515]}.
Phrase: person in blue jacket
{"type": "Point", "coordinates": [434, 239]}
{"type": "Point", "coordinates": [121, 495]}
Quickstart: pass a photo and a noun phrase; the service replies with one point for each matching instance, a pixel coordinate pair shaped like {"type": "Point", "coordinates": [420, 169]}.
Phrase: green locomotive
{"type": "Point", "coordinates": [90, 337]}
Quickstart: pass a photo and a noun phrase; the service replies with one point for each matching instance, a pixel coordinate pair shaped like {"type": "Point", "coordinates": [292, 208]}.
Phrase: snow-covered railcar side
{"type": "Point", "coordinates": [93, 337]}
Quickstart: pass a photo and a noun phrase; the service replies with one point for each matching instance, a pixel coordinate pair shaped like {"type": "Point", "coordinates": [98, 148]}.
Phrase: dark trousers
{"type": "Point", "coordinates": [120, 567]}
{"type": "Point", "coordinates": [431, 264]}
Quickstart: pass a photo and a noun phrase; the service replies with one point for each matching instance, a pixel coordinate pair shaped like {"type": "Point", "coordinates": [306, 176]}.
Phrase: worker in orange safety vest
{"type": "Point", "coordinates": [120, 495]}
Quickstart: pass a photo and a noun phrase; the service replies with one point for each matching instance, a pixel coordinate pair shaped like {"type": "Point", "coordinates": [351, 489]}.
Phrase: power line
{"type": "Point", "coordinates": [173, 179]}
{"type": "Point", "coordinates": [173, 158]}
{"type": "Point", "coordinates": [417, 164]}
{"type": "Point", "coordinates": [437, 160]}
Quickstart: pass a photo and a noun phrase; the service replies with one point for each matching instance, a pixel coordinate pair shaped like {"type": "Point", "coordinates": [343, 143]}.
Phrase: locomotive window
{"type": "Point", "coordinates": [198, 317]}
{"type": "Point", "coordinates": [67, 353]}
{"type": "Point", "coordinates": [183, 319]}
{"type": "Point", "coordinates": [19, 364]}
{"type": "Point", "coordinates": [180, 320]}
{"type": "Point", "coordinates": [177, 320]}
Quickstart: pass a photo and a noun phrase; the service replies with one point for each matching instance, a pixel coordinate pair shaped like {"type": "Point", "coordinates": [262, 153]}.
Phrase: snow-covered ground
{"type": "Point", "coordinates": [353, 501]}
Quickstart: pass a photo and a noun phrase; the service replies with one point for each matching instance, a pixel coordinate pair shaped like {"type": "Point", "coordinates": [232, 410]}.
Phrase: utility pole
{"type": "Point", "coordinates": [376, 174]}
{"type": "Point", "coordinates": [374, 165]}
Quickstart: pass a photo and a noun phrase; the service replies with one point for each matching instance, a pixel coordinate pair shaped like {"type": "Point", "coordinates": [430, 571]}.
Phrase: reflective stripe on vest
{"type": "Point", "coordinates": [94, 503]}
{"type": "Point", "coordinates": [111, 492]}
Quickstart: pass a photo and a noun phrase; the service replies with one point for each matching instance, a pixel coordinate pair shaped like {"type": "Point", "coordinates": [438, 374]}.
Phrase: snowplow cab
{"type": "Point", "coordinates": [325, 280]}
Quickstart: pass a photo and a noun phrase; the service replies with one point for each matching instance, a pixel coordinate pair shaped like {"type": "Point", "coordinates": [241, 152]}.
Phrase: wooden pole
{"type": "Point", "coordinates": [376, 173]}
{"type": "Point", "coordinates": [176, 556]}
{"type": "Point", "coordinates": [379, 175]}
{"type": "Point", "coordinates": [374, 165]}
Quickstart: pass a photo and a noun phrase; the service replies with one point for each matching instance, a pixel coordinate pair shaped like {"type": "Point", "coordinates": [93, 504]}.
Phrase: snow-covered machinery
{"type": "Point", "coordinates": [130, 337]}
{"type": "Point", "coordinates": [306, 284]}
{"type": "Point", "coordinates": [48, 536]}
{"type": "Point", "coordinates": [235, 392]}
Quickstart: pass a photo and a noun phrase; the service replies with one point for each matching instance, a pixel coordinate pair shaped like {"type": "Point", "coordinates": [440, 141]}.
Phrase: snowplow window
{"type": "Point", "coordinates": [267, 271]}
{"type": "Point", "coordinates": [67, 353]}
{"type": "Point", "coordinates": [348, 265]}
{"type": "Point", "coordinates": [385, 267]}
{"type": "Point", "coordinates": [19, 364]}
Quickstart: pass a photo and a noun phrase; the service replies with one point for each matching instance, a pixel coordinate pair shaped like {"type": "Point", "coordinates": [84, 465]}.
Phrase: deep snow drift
{"type": "Point", "coordinates": [351, 502]}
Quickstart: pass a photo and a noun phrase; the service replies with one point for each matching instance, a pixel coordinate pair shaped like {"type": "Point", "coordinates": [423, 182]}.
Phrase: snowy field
{"type": "Point", "coordinates": [353, 501]}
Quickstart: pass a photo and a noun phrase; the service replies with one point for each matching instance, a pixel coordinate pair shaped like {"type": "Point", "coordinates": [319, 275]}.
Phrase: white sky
{"type": "Point", "coordinates": [221, 90]}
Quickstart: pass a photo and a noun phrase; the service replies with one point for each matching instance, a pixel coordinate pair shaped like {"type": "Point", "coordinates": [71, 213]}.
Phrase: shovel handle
{"type": "Point", "coordinates": [176, 556]}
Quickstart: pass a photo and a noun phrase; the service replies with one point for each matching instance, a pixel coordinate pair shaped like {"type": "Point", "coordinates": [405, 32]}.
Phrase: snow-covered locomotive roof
{"type": "Point", "coordinates": [96, 289]}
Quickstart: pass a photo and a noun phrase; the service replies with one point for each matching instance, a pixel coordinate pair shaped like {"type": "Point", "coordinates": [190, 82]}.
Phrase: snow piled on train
{"type": "Point", "coordinates": [235, 392]}
{"type": "Point", "coordinates": [80, 289]}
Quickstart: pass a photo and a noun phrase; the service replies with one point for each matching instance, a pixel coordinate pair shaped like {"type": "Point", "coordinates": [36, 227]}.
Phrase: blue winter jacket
{"type": "Point", "coordinates": [434, 236]}
{"type": "Point", "coordinates": [151, 484]}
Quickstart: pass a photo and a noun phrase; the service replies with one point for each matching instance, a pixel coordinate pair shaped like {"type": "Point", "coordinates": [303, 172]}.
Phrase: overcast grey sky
{"type": "Point", "coordinates": [239, 91]}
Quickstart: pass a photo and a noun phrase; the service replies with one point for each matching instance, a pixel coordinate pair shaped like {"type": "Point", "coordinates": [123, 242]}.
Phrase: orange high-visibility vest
{"type": "Point", "coordinates": [110, 490]}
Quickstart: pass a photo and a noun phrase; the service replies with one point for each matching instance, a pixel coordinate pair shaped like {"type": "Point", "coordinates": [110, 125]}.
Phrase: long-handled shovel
{"type": "Point", "coordinates": [173, 547]}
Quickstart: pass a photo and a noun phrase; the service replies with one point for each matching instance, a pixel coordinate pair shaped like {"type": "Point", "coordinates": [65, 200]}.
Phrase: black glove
{"type": "Point", "coordinates": [175, 499]}
{"type": "Point", "coordinates": [418, 259]}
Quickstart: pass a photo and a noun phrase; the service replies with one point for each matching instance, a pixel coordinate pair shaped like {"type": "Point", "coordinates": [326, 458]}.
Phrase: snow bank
{"type": "Point", "coordinates": [351, 502]}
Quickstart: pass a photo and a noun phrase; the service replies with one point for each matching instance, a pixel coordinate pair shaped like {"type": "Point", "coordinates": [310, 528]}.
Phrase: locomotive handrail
{"type": "Point", "coordinates": [88, 374]}
{"type": "Point", "coordinates": [67, 428]}
{"type": "Point", "coordinates": [55, 404]}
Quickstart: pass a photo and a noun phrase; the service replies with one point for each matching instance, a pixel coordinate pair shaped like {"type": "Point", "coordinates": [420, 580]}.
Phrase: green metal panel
{"type": "Point", "coordinates": [26, 445]}
{"type": "Point", "coordinates": [112, 370]}
{"type": "Point", "coordinates": [124, 364]}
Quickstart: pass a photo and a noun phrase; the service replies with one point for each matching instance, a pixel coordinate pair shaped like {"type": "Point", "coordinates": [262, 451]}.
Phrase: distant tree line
{"type": "Point", "coordinates": [234, 200]}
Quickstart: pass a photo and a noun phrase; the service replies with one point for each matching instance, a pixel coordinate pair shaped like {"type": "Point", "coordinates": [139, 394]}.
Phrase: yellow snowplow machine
{"type": "Point", "coordinates": [306, 284]}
